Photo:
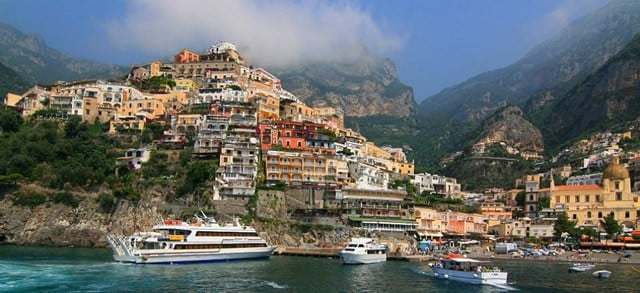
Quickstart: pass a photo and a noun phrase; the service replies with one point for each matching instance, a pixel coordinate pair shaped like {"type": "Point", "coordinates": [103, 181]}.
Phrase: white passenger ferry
{"type": "Point", "coordinates": [364, 251]}
{"type": "Point", "coordinates": [176, 241]}
{"type": "Point", "coordinates": [458, 268]}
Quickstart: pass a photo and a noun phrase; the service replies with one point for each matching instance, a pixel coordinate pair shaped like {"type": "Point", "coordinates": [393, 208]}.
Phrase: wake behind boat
{"type": "Point", "coordinates": [204, 240]}
{"type": "Point", "coordinates": [467, 270]}
{"type": "Point", "coordinates": [364, 251]}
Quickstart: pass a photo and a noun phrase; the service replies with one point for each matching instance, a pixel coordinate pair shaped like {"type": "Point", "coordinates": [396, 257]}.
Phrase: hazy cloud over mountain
{"type": "Point", "coordinates": [269, 32]}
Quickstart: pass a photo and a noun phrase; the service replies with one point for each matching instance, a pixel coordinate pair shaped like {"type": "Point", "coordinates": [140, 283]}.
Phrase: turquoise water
{"type": "Point", "coordinates": [46, 269]}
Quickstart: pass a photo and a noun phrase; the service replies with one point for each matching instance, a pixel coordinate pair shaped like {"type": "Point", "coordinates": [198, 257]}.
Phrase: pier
{"type": "Point", "coordinates": [335, 252]}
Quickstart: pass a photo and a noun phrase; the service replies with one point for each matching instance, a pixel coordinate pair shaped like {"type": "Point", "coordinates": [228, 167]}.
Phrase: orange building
{"type": "Point", "coordinates": [187, 56]}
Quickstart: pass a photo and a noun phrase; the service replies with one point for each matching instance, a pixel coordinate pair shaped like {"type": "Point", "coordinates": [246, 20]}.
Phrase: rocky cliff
{"type": "Point", "coordinates": [29, 56]}
{"type": "Point", "coordinates": [62, 225]}
{"type": "Point", "coordinates": [509, 125]}
{"type": "Point", "coordinates": [363, 87]}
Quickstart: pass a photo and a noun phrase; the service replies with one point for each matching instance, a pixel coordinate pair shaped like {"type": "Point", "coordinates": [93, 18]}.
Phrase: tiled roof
{"type": "Point", "coordinates": [577, 187]}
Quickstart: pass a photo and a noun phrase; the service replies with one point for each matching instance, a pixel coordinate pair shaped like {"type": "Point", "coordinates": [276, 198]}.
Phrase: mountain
{"type": "Point", "coordinates": [29, 56]}
{"type": "Point", "coordinates": [10, 81]}
{"type": "Point", "coordinates": [609, 96]}
{"type": "Point", "coordinates": [548, 70]}
{"type": "Point", "coordinates": [364, 86]}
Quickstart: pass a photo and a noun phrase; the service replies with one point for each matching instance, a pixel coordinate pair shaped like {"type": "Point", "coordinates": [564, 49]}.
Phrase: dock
{"type": "Point", "coordinates": [303, 251]}
{"type": "Point", "coordinates": [335, 252]}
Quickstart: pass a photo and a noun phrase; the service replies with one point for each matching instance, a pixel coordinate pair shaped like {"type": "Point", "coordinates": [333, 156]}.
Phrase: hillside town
{"type": "Point", "coordinates": [266, 140]}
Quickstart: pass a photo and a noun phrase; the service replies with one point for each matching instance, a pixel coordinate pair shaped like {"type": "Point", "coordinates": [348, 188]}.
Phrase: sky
{"type": "Point", "coordinates": [435, 44]}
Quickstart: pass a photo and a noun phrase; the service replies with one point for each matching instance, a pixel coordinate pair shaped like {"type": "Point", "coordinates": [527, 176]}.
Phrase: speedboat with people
{"type": "Point", "coordinates": [203, 240]}
{"type": "Point", "coordinates": [364, 251]}
{"type": "Point", "coordinates": [580, 267]}
{"type": "Point", "coordinates": [603, 274]}
{"type": "Point", "coordinates": [467, 270]}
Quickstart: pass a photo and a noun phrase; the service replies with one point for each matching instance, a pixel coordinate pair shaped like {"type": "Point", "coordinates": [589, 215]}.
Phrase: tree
{"type": "Point", "coordinates": [563, 225]}
{"type": "Point", "coordinates": [611, 226]}
{"type": "Point", "coordinates": [10, 120]}
{"type": "Point", "coordinates": [520, 198]}
{"type": "Point", "coordinates": [545, 202]}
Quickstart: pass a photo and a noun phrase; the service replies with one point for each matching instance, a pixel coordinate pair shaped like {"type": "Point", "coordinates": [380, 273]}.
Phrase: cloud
{"type": "Point", "coordinates": [268, 32]}
{"type": "Point", "coordinates": [561, 16]}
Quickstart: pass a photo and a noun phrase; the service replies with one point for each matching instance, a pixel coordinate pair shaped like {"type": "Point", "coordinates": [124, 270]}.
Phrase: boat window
{"type": "Point", "coordinates": [349, 249]}
{"type": "Point", "coordinates": [227, 234]}
{"type": "Point", "coordinates": [361, 245]}
{"type": "Point", "coordinates": [219, 246]}
{"type": "Point", "coordinates": [352, 245]}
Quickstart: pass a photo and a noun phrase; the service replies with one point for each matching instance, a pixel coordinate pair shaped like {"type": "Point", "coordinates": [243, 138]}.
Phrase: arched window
{"type": "Point", "coordinates": [599, 214]}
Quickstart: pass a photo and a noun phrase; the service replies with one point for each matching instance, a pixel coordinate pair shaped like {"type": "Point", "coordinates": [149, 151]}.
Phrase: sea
{"type": "Point", "coordinates": [53, 269]}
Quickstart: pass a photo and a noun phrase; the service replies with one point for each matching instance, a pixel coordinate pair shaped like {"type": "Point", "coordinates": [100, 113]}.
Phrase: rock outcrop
{"type": "Point", "coordinates": [510, 126]}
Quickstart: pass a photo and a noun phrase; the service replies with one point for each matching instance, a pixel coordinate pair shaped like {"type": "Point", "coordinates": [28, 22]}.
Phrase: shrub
{"type": "Point", "coordinates": [107, 202]}
{"type": "Point", "coordinates": [31, 199]}
{"type": "Point", "coordinates": [65, 198]}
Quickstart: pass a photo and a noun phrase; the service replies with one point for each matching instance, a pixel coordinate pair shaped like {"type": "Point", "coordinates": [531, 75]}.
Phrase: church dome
{"type": "Point", "coordinates": [615, 171]}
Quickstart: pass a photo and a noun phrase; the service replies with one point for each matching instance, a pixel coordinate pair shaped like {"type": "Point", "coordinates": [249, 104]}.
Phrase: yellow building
{"type": "Point", "coordinates": [304, 167]}
{"type": "Point", "coordinates": [187, 121]}
{"type": "Point", "coordinates": [12, 99]}
{"type": "Point", "coordinates": [268, 107]}
{"type": "Point", "coordinates": [154, 68]}
{"type": "Point", "coordinates": [186, 85]}
{"type": "Point", "coordinates": [590, 204]}
{"type": "Point", "coordinates": [297, 112]}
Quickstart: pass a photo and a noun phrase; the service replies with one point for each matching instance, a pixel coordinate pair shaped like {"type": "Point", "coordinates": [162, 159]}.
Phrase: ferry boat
{"type": "Point", "coordinates": [458, 268]}
{"type": "Point", "coordinates": [204, 240]}
{"type": "Point", "coordinates": [364, 251]}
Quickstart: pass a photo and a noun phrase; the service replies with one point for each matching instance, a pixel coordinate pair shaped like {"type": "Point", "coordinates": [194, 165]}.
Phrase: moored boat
{"type": "Point", "coordinates": [204, 240]}
{"type": "Point", "coordinates": [467, 270]}
{"type": "Point", "coordinates": [364, 251]}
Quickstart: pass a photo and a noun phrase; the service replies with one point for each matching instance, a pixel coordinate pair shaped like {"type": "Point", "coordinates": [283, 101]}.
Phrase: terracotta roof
{"type": "Point", "coordinates": [577, 187]}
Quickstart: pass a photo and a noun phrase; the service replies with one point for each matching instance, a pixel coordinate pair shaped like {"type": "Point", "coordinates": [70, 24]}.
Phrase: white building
{"type": "Point", "coordinates": [135, 157]}
{"type": "Point", "coordinates": [435, 183]}
{"type": "Point", "coordinates": [589, 179]}
{"type": "Point", "coordinates": [368, 176]}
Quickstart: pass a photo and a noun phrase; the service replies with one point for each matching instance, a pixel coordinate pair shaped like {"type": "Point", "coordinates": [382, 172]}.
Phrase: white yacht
{"type": "Point", "coordinates": [175, 241]}
{"type": "Point", "coordinates": [364, 251]}
{"type": "Point", "coordinates": [458, 268]}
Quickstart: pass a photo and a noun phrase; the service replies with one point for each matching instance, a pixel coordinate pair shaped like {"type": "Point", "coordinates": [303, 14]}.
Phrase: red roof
{"type": "Point", "coordinates": [577, 187]}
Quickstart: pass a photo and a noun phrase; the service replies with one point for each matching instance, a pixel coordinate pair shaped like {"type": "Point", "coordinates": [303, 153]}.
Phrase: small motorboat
{"type": "Point", "coordinates": [603, 274]}
{"type": "Point", "coordinates": [580, 267]}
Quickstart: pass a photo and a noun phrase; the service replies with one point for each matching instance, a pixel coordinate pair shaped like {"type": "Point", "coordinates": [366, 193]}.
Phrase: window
{"type": "Point", "coordinates": [587, 198]}
{"type": "Point", "coordinates": [567, 199]}
{"type": "Point", "coordinates": [530, 197]}
{"type": "Point", "coordinates": [88, 112]}
{"type": "Point", "coordinates": [588, 214]}
{"type": "Point", "coordinates": [626, 214]}
{"type": "Point", "coordinates": [599, 214]}
{"type": "Point", "coordinates": [617, 185]}
{"type": "Point", "coordinates": [577, 198]}
{"type": "Point", "coordinates": [574, 216]}
{"type": "Point", "coordinates": [618, 195]}
{"type": "Point", "coordinates": [557, 198]}
{"type": "Point", "coordinates": [597, 197]}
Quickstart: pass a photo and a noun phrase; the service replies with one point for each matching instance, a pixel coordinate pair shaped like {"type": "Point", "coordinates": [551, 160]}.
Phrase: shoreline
{"type": "Point", "coordinates": [599, 258]}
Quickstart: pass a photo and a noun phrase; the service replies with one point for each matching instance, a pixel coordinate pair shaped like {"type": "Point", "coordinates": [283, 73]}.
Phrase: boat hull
{"type": "Point", "coordinates": [485, 278]}
{"type": "Point", "coordinates": [170, 257]}
{"type": "Point", "coordinates": [355, 259]}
